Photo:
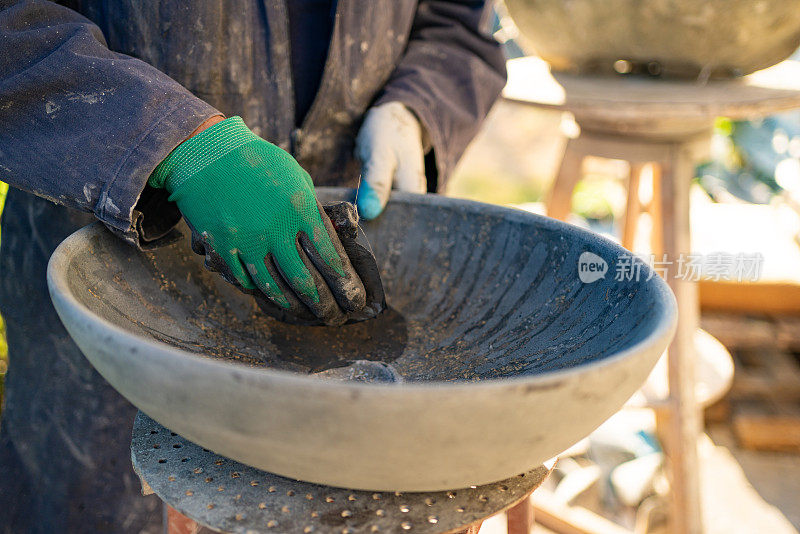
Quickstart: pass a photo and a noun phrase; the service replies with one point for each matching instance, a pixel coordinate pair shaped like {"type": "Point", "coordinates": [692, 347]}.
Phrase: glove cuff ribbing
{"type": "Point", "coordinates": [199, 151]}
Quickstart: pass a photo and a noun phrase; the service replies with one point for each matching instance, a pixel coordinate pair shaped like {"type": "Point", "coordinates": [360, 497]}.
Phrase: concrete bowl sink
{"type": "Point", "coordinates": [679, 38]}
{"type": "Point", "coordinates": [506, 356]}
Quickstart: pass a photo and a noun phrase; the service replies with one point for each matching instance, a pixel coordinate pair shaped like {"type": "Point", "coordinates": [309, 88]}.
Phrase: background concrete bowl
{"type": "Point", "coordinates": [681, 38]}
{"type": "Point", "coordinates": [508, 358]}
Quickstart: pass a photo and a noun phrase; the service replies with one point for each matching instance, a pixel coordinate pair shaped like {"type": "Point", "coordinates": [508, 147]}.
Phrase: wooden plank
{"type": "Point", "coordinates": [782, 365]}
{"type": "Point", "coordinates": [764, 296]}
{"type": "Point", "coordinates": [768, 374]}
{"type": "Point", "coordinates": [737, 331]}
{"type": "Point", "coordinates": [788, 333]}
{"type": "Point", "coordinates": [751, 386]}
{"type": "Point", "coordinates": [565, 519]}
{"type": "Point", "coordinates": [766, 432]}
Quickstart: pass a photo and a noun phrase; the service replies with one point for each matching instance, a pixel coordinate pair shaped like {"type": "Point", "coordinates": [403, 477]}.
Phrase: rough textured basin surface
{"type": "Point", "coordinates": [506, 357]}
{"type": "Point", "coordinates": [684, 37]}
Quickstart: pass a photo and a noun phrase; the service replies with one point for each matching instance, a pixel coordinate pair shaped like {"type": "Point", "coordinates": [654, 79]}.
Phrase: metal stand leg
{"type": "Point", "coordinates": [520, 518]}
{"type": "Point", "coordinates": [177, 523]}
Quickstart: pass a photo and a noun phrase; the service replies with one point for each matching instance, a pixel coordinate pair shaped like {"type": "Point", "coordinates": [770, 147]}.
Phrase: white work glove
{"type": "Point", "coordinates": [390, 148]}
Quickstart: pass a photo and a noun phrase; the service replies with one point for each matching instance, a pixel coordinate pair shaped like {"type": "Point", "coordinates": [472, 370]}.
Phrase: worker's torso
{"type": "Point", "coordinates": [236, 55]}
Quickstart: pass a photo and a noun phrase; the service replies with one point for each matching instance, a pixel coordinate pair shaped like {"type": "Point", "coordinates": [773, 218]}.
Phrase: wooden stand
{"type": "Point", "coordinates": [667, 124]}
{"type": "Point", "coordinates": [673, 159]}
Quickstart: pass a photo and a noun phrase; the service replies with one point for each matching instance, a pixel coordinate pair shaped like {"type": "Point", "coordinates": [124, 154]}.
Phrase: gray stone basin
{"type": "Point", "coordinates": [680, 38]}
{"type": "Point", "coordinates": [505, 357]}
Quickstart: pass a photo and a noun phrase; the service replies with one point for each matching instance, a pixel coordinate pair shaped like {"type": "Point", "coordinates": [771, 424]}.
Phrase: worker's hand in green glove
{"type": "Point", "coordinates": [254, 214]}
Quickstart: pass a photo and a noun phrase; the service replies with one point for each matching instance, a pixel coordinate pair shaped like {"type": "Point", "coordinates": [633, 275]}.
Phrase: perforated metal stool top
{"type": "Point", "coordinates": [228, 496]}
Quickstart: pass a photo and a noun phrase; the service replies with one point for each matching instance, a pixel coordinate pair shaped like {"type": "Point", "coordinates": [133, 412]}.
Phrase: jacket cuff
{"type": "Point", "coordinates": [200, 151]}
{"type": "Point", "coordinates": [145, 219]}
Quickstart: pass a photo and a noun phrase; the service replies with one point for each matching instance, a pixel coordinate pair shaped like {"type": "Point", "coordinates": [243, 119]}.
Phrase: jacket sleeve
{"type": "Point", "coordinates": [84, 126]}
{"type": "Point", "coordinates": [450, 75]}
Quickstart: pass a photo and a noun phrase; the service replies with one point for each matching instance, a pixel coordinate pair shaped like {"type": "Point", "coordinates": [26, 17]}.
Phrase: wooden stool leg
{"type": "Point", "coordinates": [681, 420]}
{"type": "Point", "coordinates": [657, 231]}
{"type": "Point", "coordinates": [520, 518]}
{"type": "Point", "coordinates": [559, 201]}
{"type": "Point", "coordinates": [177, 523]}
{"type": "Point", "coordinates": [633, 207]}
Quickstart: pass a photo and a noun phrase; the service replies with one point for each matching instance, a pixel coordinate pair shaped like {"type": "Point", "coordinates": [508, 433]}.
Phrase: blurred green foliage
{"type": "Point", "coordinates": [497, 188]}
{"type": "Point", "coordinates": [746, 156]}
{"type": "Point", "coordinates": [593, 198]}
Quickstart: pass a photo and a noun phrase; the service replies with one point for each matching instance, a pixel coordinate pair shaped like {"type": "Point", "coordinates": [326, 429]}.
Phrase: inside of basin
{"type": "Point", "coordinates": [474, 292]}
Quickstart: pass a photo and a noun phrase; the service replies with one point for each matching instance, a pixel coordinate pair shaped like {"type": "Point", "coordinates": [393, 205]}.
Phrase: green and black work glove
{"type": "Point", "coordinates": [254, 215]}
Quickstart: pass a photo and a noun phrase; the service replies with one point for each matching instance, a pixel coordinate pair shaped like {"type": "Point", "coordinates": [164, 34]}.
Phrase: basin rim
{"type": "Point", "coordinates": [67, 304]}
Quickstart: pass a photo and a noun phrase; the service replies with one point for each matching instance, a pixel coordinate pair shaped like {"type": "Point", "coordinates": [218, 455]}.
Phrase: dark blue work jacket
{"type": "Point", "coordinates": [90, 103]}
{"type": "Point", "coordinates": [93, 95]}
